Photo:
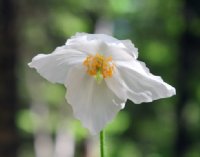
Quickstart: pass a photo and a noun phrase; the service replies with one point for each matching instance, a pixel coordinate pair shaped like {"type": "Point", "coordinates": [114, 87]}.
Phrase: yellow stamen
{"type": "Point", "coordinates": [99, 66]}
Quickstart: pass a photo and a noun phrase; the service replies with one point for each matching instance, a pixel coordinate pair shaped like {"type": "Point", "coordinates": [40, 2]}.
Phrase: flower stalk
{"type": "Point", "coordinates": [102, 150]}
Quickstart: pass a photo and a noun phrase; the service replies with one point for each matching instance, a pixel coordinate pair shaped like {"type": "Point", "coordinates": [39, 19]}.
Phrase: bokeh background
{"type": "Point", "coordinates": [35, 119]}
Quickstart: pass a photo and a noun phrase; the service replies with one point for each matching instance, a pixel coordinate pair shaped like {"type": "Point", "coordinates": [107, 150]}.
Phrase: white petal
{"type": "Point", "coordinates": [117, 53]}
{"type": "Point", "coordinates": [55, 66]}
{"type": "Point", "coordinates": [101, 43]}
{"type": "Point", "coordinates": [144, 87]}
{"type": "Point", "coordinates": [93, 104]}
{"type": "Point", "coordinates": [131, 48]}
{"type": "Point", "coordinates": [117, 85]}
{"type": "Point", "coordinates": [89, 37]}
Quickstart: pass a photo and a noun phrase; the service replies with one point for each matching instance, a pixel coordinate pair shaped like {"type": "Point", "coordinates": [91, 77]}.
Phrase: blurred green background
{"type": "Point", "coordinates": [35, 119]}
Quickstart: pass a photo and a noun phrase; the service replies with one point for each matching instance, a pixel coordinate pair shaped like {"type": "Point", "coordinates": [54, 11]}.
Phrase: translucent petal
{"type": "Point", "coordinates": [143, 86]}
{"type": "Point", "coordinates": [90, 37]}
{"type": "Point", "coordinates": [131, 48]}
{"type": "Point", "coordinates": [55, 66]}
{"type": "Point", "coordinates": [117, 85]}
{"type": "Point", "coordinates": [93, 104]}
{"type": "Point", "coordinates": [101, 43]}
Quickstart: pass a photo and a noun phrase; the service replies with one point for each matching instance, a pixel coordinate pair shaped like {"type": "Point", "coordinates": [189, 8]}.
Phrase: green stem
{"type": "Point", "coordinates": [102, 144]}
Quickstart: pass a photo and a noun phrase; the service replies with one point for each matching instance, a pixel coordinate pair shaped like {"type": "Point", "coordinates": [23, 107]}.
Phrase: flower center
{"type": "Point", "coordinates": [99, 66]}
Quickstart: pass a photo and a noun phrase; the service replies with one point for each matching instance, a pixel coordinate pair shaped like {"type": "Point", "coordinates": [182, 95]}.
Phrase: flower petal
{"type": "Point", "coordinates": [131, 48]}
{"type": "Point", "coordinates": [93, 104]}
{"type": "Point", "coordinates": [103, 44]}
{"type": "Point", "coordinates": [117, 85]}
{"type": "Point", "coordinates": [55, 66]}
{"type": "Point", "coordinates": [143, 86]}
{"type": "Point", "coordinates": [90, 37]}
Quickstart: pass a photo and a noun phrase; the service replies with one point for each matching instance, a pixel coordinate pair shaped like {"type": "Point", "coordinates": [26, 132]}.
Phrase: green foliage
{"type": "Point", "coordinates": [24, 121]}
{"type": "Point", "coordinates": [120, 124]}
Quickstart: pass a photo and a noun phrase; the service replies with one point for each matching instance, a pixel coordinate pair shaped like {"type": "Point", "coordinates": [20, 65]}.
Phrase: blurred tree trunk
{"type": "Point", "coordinates": [8, 53]}
{"type": "Point", "coordinates": [188, 60]}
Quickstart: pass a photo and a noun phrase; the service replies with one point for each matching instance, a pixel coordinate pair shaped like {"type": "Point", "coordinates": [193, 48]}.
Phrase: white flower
{"type": "Point", "coordinates": [100, 74]}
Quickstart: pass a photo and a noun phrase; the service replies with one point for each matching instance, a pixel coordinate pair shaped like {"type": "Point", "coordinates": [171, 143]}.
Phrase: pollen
{"type": "Point", "coordinates": [99, 66]}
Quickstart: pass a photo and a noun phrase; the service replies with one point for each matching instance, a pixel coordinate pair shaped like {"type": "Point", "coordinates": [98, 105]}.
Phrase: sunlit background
{"type": "Point", "coordinates": [35, 119]}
